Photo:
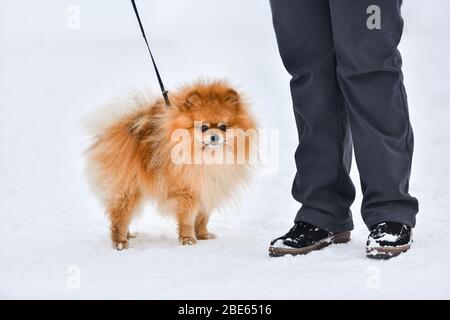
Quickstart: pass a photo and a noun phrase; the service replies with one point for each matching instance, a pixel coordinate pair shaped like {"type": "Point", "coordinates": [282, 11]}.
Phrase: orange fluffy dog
{"type": "Point", "coordinates": [189, 157]}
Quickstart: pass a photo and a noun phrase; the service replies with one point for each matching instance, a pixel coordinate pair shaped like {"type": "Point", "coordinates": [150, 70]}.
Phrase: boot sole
{"type": "Point", "coordinates": [337, 238]}
{"type": "Point", "coordinates": [384, 253]}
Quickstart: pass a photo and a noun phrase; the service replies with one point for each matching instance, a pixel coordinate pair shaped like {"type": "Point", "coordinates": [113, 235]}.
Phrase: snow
{"type": "Point", "coordinates": [53, 234]}
{"type": "Point", "coordinates": [373, 243]}
{"type": "Point", "coordinates": [387, 237]}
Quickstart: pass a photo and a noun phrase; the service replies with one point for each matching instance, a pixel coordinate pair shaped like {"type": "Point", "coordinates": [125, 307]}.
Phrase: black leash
{"type": "Point", "coordinates": [161, 85]}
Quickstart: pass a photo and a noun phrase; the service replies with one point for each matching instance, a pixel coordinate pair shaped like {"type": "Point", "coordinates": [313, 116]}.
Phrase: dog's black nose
{"type": "Point", "coordinates": [214, 138]}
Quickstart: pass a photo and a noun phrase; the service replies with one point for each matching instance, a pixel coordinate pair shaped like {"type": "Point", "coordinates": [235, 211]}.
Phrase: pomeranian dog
{"type": "Point", "coordinates": [190, 157]}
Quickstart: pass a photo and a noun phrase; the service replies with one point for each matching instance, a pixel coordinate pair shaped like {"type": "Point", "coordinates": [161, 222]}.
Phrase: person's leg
{"type": "Point", "coordinates": [370, 76]}
{"type": "Point", "coordinates": [323, 156]}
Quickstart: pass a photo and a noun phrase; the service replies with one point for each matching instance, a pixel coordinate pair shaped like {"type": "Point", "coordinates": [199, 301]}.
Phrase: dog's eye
{"type": "Point", "coordinates": [223, 127]}
{"type": "Point", "coordinates": [204, 128]}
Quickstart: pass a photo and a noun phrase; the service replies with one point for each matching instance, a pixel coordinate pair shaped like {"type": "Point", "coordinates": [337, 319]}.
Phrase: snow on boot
{"type": "Point", "coordinates": [388, 239]}
{"type": "Point", "coordinates": [304, 238]}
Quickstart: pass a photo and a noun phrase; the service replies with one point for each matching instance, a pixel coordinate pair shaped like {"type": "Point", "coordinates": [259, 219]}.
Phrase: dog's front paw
{"type": "Point", "coordinates": [120, 245]}
{"type": "Point", "coordinates": [187, 241]}
{"type": "Point", "coordinates": [206, 236]}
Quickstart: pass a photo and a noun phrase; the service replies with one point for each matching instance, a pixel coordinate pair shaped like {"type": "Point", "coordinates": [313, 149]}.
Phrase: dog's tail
{"type": "Point", "coordinates": [117, 109]}
{"type": "Point", "coordinates": [112, 152]}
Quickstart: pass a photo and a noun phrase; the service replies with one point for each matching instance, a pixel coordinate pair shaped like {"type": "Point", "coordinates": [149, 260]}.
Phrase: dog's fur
{"type": "Point", "coordinates": [130, 158]}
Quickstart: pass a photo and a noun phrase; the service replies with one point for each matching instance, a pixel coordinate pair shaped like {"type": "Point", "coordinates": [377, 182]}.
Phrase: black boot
{"type": "Point", "coordinates": [388, 239]}
{"type": "Point", "coordinates": [304, 238]}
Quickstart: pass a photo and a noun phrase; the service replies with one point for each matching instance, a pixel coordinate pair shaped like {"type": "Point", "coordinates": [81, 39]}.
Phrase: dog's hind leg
{"type": "Point", "coordinates": [131, 235]}
{"type": "Point", "coordinates": [201, 226]}
{"type": "Point", "coordinates": [121, 211]}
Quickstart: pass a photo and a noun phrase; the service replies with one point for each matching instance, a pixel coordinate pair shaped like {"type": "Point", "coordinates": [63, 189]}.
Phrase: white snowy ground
{"type": "Point", "coordinates": [51, 77]}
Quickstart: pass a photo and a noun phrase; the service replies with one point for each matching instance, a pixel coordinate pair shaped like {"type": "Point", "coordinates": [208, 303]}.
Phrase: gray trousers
{"type": "Point", "coordinates": [347, 89]}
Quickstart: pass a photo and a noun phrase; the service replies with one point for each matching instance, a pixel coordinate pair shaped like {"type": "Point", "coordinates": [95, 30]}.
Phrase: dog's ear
{"type": "Point", "coordinates": [232, 97]}
{"type": "Point", "coordinates": [192, 99]}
